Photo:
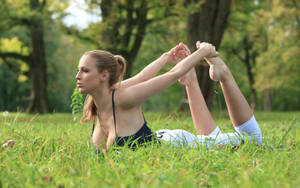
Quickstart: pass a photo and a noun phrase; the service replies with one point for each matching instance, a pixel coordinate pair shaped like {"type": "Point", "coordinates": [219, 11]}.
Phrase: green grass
{"type": "Point", "coordinates": [54, 151]}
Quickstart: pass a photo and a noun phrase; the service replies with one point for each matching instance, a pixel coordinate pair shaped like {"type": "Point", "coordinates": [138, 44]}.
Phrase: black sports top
{"type": "Point", "coordinates": [143, 135]}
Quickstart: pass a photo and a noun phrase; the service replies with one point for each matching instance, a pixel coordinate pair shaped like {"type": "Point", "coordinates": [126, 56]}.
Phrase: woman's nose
{"type": "Point", "coordinates": [77, 76]}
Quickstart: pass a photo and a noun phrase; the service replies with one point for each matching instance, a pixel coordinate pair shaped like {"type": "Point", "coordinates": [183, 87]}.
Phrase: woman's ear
{"type": "Point", "coordinates": [104, 76]}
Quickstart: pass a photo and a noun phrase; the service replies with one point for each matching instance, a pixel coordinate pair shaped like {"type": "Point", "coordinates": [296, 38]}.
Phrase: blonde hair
{"type": "Point", "coordinates": [115, 65]}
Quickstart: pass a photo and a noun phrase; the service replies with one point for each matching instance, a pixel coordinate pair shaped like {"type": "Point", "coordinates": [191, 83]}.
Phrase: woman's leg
{"type": "Point", "coordinates": [238, 107]}
{"type": "Point", "coordinates": [202, 119]}
{"type": "Point", "coordinates": [239, 110]}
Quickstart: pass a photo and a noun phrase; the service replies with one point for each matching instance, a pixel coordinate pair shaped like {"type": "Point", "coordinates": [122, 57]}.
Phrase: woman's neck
{"type": "Point", "coordinates": [102, 98]}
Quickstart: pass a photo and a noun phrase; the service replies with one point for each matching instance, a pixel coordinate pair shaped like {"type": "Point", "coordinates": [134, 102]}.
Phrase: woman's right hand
{"type": "Point", "coordinates": [207, 48]}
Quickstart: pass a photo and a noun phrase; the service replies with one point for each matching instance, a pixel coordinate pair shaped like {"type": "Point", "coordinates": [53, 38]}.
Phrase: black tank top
{"type": "Point", "coordinates": [143, 135]}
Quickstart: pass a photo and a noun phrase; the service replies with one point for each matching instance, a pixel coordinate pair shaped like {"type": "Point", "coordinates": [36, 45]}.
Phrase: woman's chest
{"type": "Point", "coordinates": [106, 122]}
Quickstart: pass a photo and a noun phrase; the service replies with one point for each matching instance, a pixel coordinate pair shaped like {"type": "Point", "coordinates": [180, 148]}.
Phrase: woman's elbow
{"type": "Point", "coordinates": [142, 77]}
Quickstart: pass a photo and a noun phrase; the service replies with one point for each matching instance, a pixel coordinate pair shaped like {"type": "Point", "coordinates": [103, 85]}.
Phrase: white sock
{"type": "Point", "coordinates": [215, 132]}
{"type": "Point", "coordinates": [252, 129]}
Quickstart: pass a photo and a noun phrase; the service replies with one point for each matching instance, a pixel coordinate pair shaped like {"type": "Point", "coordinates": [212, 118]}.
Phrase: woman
{"type": "Point", "coordinates": [209, 134]}
{"type": "Point", "coordinates": [117, 107]}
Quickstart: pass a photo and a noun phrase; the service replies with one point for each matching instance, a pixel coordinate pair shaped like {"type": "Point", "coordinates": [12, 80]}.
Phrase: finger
{"type": "Point", "coordinates": [187, 49]}
{"type": "Point", "coordinates": [213, 55]}
{"type": "Point", "coordinates": [216, 54]}
{"type": "Point", "coordinates": [198, 44]}
{"type": "Point", "coordinates": [177, 48]}
{"type": "Point", "coordinates": [204, 44]}
{"type": "Point", "coordinates": [174, 51]}
{"type": "Point", "coordinates": [181, 46]}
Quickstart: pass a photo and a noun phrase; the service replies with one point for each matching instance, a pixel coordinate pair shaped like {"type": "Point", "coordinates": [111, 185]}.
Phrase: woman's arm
{"type": "Point", "coordinates": [174, 55]}
{"type": "Point", "coordinates": [137, 94]}
{"type": "Point", "coordinates": [148, 72]}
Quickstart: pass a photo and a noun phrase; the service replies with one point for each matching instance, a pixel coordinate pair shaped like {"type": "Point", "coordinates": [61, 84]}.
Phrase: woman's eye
{"type": "Point", "coordinates": [83, 70]}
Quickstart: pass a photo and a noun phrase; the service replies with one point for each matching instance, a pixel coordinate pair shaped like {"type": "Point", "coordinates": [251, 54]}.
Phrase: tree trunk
{"type": "Point", "coordinates": [4, 92]}
{"type": "Point", "coordinates": [141, 29]}
{"type": "Point", "coordinates": [38, 72]}
{"type": "Point", "coordinates": [247, 62]}
{"type": "Point", "coordinates": [36, 60]}
{"type": "Point", "coordinates": [267, 100]}
{"type": "Point", "coordinates": [208, 25]}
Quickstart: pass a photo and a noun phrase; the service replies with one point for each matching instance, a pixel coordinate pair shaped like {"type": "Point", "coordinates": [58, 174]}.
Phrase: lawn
{"type": "Point", "coordinates": [54, 151]}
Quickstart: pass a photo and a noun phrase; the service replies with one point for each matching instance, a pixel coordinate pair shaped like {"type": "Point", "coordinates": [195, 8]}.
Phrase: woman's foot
{"type": "Point", "coordinates": [188, 78]}
{"type": "Point", "coordinates": [218, 70]}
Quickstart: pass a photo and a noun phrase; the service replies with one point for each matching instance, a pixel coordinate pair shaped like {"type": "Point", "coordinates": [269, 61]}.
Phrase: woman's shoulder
{"type": "Point", "coordinates": [120, 98]}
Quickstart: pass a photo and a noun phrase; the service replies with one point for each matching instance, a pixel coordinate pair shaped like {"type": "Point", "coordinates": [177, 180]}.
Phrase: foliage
{"type": "Point", "coordinates": [77, 102]}
{"type": "Point", "coordinates": [278, 66]}
{"type": "Point", "coordinates": [31, 16]}
{"type": "Point", "coordinates": [272, 29]}
{"type": "Point", "coordinates": [63, 56]}
{"type": "Point", "coordinates": [13, 91]}
{"type": "Point", "coordinates": [54, 151]}
{"type": "Point", "coordinates": [273, 45]}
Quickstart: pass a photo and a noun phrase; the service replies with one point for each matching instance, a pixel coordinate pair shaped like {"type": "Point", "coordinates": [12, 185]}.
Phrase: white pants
{"type": "Point", "coordinates": [249, 131]}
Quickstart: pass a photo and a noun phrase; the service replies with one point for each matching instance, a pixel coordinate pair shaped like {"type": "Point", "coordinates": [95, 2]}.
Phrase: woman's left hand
{"type": "Point", "coordinates": [178, 53]}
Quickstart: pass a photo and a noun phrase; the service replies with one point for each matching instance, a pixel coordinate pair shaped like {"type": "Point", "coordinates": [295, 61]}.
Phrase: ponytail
{"type": "Point", "coordinates": [122, 66]}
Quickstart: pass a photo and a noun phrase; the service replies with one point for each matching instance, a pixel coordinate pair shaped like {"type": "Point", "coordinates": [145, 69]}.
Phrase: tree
{"type": "Point", "coordinates": [278, 65]}
{"type": "Point", "coordinates": [207, 22]}
{"type": "Point", "coordinates": [246, 38]}
{"type": "Point", "coordinates": [30, 18]}
{"type": "Point", "coordinates": [264, 36]}
{"type": "Point", "coordinates": [123, 25]}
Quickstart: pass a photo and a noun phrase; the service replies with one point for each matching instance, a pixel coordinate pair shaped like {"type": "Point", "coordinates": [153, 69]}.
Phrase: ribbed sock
{"type": "Point", "coordinates": [252, 129]}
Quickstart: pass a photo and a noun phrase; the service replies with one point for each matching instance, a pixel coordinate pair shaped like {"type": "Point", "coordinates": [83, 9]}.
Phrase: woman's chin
{"type": "Point", "coordinates": [81, 91]}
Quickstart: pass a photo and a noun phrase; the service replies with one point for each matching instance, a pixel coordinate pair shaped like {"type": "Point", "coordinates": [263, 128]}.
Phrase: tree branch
{"type": "Point", "coordinates": [237, 54]}
{"type": "Point", "coordinates": [15, 56]}
{"type": "Point", "coordinates": [43, 4]}
{"type": "Point", "coordinates": [129, 24]}
{"type": "Point", "coordinates": [297, 18]}
{"type": "Point", "coordinates": [141, 28]}
{"type": "Point", "coordinates": [11, 66]}
{"type": "Point", "coordinates": [19, 21]}
{"type": "Point", "coordinates": [73, 31]}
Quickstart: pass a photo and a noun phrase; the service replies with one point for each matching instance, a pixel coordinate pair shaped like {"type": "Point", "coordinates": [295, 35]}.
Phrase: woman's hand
{"type": "Point", "coordinates": [208, 49]}
{"type": "Point", "coordinates": [191, 76]}
{"type": "Point", "coordinates": [178, 53]}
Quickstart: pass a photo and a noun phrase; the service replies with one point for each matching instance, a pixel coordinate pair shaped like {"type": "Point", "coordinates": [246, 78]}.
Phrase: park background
{"type": "Point", "coordinates": [43, 144]}
{"type": "Point", "coordinates": [41, 43]}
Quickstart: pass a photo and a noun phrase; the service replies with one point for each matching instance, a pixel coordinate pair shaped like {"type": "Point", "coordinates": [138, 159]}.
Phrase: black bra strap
{"type": "Point", "coordinates": [114, 111]}
{"type": "Point", "coordinates": [144, 117]}
{"type": "Point", "coordinates": [93, 127]}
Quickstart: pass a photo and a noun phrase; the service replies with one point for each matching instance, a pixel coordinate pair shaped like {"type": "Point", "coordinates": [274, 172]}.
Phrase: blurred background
{"type": "Point", "coordinates": [41, 42]}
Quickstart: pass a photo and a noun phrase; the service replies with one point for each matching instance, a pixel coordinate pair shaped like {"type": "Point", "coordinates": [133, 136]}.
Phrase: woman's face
{"type": "Point", "coordinates": [88, 77]}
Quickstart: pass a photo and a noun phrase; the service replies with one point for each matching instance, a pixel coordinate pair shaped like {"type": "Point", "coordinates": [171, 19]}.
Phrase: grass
{"type": "Point", "coordinates": [54, 151]}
